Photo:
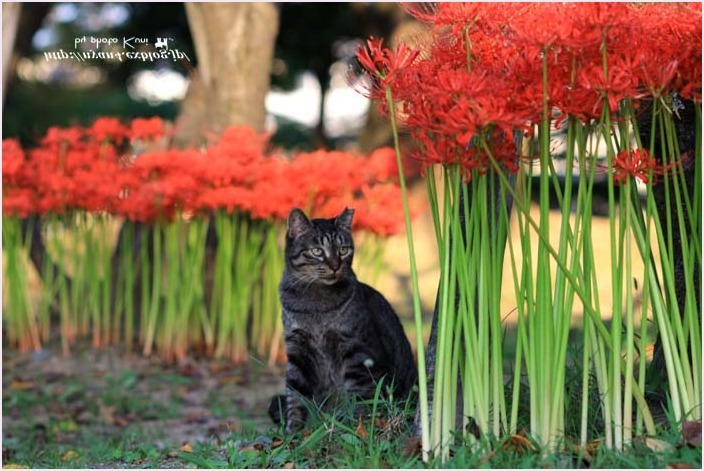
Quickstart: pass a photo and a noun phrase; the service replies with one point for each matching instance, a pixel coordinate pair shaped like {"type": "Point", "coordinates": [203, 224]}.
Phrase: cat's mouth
{"type": "Point", "coordinates": [330, 278]}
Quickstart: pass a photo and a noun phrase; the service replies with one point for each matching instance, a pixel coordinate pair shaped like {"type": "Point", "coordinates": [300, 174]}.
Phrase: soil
{"type": "Point", "coordinates": [106, 393]}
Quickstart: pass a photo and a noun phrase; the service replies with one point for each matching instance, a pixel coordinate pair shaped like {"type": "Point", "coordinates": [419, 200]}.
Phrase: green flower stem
{"type": "Point", "coordinates": [630, 336]}
{"type": "Point", "coordinates": [129, 277]}
{"type": "Point", "coordinates": [222, 297]}
{"type": "Point", "coordinates": [155, 298]}
{"type": "Point", "coordinates": [22, 328]}
{"type": "Point", "coordinates": [417, 312]}
{"type": "Point", "coordinates": [676, 382]}
{"type": "Point", "coordinates": [112, 330]}
{"type": "Point", "coordinates": [145, 293]}
{"type": "Point", "coordinates": [191, 301]}
{"type": "Point", "coordinates": [167, 326]}
{"type": "Point", "coordinates": [590, 310]}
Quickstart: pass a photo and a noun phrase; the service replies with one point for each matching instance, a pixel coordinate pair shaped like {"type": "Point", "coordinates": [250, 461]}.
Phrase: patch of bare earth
{"type": "Point", "coordinates": [106, 393]}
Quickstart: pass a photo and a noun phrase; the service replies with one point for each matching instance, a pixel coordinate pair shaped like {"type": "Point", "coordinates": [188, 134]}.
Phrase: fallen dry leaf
{"type": "Point", "coordinates": [361, 433]}
{"type": "Point", "coordinates": [692, 432]}
{"type": "Point", "coordinates": [186, 448]}
{"type": "Point", "coordinates": [579, 451]}
{"type": "Point", "coordinates": [487, 457]}
{"type": "Point", "coordinates": [518, 444]}
{"type": "Point", "coordinates": [107, 413]}
{"type": "Point", "coordinates": [255, 446]}
{"type": "Point", "coordinates": [69, 455]}
{"type": "Point", "coordinates": [121, 421]}
{"type": "Point", "coordinates": [382, 424]}
{"type": "Point", "coordinates": [412, 446]}
{"type": "Point", "coordinates": [680, 466]}
{"type": "Point", "coordinates": [289, 465]}
{"type": "Point", "coordinates": [657, 445]}
{"type": "Point", "coordinates": [276, 444]}
{"type": "Point", "coordinates": [593, 447]}
{"type": "Point", "coordinates": [236, 379]}
{"type": "Point", "coordinates": [13, 466]}
{"type": "Point", "coordinates": [19, 385]}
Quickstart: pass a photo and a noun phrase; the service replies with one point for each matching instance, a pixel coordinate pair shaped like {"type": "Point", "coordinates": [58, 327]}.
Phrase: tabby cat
{"type": "Point", "coordinates": [342, 337]}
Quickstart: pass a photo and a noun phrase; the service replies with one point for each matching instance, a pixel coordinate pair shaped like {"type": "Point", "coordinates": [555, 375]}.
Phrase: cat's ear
{"type": "Point", "coordinates": [298, 223]}
{"type": "Point", "coordinates": [344, 220]}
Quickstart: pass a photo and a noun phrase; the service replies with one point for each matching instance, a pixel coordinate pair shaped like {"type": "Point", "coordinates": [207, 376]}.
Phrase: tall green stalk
{"type": "Point", "coordinates": [417, 312]}
{"type": "Point", "coordinates": [19, 318]}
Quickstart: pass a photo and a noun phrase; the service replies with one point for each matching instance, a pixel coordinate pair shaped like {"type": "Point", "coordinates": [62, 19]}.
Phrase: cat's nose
{"type": "Point", "coordinates": [335, 264]}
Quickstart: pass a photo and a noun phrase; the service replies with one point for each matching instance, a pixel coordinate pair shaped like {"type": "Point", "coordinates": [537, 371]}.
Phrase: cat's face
{"type": "Point", "coordinates": [319, 251]}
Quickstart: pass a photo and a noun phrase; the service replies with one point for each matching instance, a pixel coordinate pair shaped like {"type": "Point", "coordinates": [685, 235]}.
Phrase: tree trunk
{"type": "Point", "coordinates": [19, 23]}
{"type": "Point", "coordinates": [10, 21]}
{"type": "Point", "coordinates": [321, 137]}
{"type": "Point", "coordinates": [234, 45]}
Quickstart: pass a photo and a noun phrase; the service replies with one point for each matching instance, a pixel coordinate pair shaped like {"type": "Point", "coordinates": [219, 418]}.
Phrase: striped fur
{"type": "Point", "coordinates": [342, 337]}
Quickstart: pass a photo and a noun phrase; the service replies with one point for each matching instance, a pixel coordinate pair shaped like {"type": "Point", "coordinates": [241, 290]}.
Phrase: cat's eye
{"type": "Point", "coordinates": [316, 251]}
{"type": "Point", "coordinates": [343, 250]}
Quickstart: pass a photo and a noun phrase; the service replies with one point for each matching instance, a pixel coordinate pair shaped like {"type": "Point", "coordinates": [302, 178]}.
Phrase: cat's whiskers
{"type": "Point", "coordinates": [304, 280]}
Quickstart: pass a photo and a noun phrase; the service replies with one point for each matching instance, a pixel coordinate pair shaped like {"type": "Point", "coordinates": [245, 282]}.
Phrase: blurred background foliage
{"type": "Point", "coordinates": [41, 93]}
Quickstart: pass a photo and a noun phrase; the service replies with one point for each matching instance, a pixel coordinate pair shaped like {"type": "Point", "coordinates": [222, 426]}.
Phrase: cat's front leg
{"type": "Point", "coordinates": [296, 413]}
{"type": "Point", "coordinates": [296, 386]}
{"type": "Point", "coordinates": [361, 383]}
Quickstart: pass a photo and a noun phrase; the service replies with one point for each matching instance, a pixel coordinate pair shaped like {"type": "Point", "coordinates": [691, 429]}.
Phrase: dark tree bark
{"type": "Point", "coordinates": [19, 23]}
{"type": "Point", "coordinates": [234, 45]}
{"type": "Point", "coordinates": [10, 21]}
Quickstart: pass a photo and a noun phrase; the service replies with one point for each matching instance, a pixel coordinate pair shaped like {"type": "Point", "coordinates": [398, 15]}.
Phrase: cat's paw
{"type": "Point", "coordinates": [293, 426]}
{"type": "Point", "coordinates": [277, 408]}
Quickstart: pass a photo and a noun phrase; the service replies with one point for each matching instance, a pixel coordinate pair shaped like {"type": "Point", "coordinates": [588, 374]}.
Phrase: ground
{"type": "Point", "coordinates": [106, 409]}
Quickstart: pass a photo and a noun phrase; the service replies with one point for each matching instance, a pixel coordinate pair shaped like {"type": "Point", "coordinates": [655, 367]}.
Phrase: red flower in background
{"type": "Point", "coordinates": [56, 136]}
{"type": "Point", "coordinates": [13, 162]}
{"type": "Point", "coordinates": [635, 164]}
{"type": "Point", "coordinates": [151, 128]}
{"type": "Point", "coordinates": [81, 169]}
{"type": "Point", "coordinates": [110, 129]}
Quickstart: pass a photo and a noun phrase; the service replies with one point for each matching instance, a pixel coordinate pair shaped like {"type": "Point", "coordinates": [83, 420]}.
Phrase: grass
{"type": "Point", "coordinates": [102, 409]}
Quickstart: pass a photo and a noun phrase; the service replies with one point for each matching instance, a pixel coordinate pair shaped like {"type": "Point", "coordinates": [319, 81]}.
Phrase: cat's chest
{"type": "Point", "coordinates": [331, 347]}
{"type": "Point", "coordinates": [323, 339]}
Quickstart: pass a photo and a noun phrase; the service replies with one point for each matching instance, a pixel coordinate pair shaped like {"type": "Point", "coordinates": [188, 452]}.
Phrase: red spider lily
{"type": "Point", "coordinates": [382, 63]}
{"type": "Point", "coordinates": [13, 162]}
{"type": "Point", "coordinates": [618, 84]}
{"type": "Point", "coordinates": [68, 136]}
{"type": "Point", "coordinates": [378, 209]}
{"type": "Point", "coordinates": [110, 129]}
{"type": "Point", "coordinates": [636, 163]}
{"type": "Point", "coordinates": [20, 202]}
{"type": "Point", "coordinates": [483, 68]}
{"type": "Point", "coordinates": [145, 129]}
{"type": "Point", "coordinates": [80, 169]}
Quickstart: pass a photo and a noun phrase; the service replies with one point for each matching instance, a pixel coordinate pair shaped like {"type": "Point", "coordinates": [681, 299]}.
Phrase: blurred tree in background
{"type": "Point", "coordinates": [39, 93]}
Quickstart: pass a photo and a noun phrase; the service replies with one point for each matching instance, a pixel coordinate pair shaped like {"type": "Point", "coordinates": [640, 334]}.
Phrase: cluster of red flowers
{"type": "Point", "coordinates": [484, 70]}
{"type": "Point", "coordinates": [91, 169]}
